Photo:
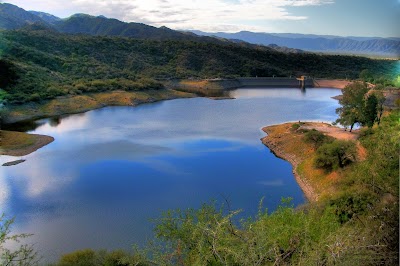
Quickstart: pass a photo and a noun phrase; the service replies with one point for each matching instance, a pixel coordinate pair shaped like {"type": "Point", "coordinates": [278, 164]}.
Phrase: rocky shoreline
{"type": "Point", "coordinates": [278, 151]}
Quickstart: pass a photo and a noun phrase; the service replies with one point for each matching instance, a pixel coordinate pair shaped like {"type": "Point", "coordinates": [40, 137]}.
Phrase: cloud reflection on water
{"type": "Point", "coordinates": [113, 168]}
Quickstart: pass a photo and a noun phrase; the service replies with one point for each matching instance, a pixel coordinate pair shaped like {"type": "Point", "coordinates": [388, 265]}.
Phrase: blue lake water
{"type": "Point", "coordinates": [110, 171]}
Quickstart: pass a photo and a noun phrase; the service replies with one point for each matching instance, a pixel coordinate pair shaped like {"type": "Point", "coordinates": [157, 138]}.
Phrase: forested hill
{"type": "Point", "coordinates": [47, 63]}
{"type": "Point", "coordinates": [13, 17]}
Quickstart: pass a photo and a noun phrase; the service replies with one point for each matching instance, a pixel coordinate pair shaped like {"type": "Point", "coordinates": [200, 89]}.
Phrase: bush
{"type": "Point", "coordinates": [296, 126]}
{"type": "Point", "coordinates": [348, 205]}
{"type": "Point", "coordinates": [317, 138]}
{"type": "Point", "coordinates": [334, 155]}
{"type": "Point", "coordinates": [88, 257]}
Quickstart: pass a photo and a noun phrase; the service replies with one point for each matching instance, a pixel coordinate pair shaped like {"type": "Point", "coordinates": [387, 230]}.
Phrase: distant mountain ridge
{"type": "Point", "coordinates": [13, 17]}
{"type": "Point", "coordinates": [318, 43]}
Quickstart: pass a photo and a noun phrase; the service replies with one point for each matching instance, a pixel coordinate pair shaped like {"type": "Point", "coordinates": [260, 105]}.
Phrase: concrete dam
{"type": "Point", "coordinates": [265, 82]}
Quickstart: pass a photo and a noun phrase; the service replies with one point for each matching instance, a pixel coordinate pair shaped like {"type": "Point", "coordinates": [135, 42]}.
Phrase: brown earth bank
{"type": "Point", "coordinates": [20, 144]}
{"type": "Point", "coordinates": [73, 104]}
{"type": "Point", "coordinates": [289, 144]}
{"type": "Point", "coordinates": [331, 83]}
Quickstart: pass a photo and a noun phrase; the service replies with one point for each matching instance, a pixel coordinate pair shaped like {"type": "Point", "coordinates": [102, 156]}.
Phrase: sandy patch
{"type": "Point", "coordinates": [331, 83]}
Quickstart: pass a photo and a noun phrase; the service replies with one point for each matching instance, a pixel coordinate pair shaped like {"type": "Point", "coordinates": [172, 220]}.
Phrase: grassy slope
{"type": "Point", "coordinates": [82, 103]}
{"type": "Point", "coordinates": [366, 193]}
{"type": "Point", "coordinates": [48, 64]}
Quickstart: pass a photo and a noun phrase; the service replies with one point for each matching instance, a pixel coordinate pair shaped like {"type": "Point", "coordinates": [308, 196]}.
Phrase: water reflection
{"type": "Point", "coordinates": [110, 170]}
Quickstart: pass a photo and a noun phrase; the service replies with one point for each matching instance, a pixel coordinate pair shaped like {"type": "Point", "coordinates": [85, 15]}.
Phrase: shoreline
{"type": "Point", "coordinates": [331, 83]}
{"type": "Point", "coordinates": [287, 142]}
{"type": "Point", "coordinates": [76, 104]}
{"type": "Point", "coordinates": [21, 144]}
{"type": "Point", "coordinates": [275, 147]}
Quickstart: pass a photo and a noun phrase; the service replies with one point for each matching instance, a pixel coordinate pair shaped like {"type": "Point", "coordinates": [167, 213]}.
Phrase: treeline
{"type": "Point", "coordinates": [45, 64]}
{"type": "Point", "coordinates": [367, 75]}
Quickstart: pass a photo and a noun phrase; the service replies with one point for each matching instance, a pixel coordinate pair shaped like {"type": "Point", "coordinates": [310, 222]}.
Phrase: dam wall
{"type": "Point", "coordinates": [274, 82]}
{"type": "Point", "coordinates": [268, 82]}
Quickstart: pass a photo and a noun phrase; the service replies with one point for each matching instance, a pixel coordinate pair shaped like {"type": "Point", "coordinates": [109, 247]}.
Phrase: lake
{"type": "Point", "coordinates": [110, 171]}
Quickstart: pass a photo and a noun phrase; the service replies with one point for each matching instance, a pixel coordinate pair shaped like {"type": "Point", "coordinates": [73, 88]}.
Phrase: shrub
{"type": "Point", "coordinates": [296, 126]}
{"type": "Point", "coordinates": [20, 254]}
{"type": "Point", "coordinates": [348, 205]}
{"type": "Point", "coordinates": [334, 155]}
{"type": "Point", "coordinates": [317, 138]}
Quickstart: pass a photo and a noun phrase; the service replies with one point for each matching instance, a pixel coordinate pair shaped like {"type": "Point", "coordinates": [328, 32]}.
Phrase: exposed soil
{"type": "Point", "coordinates": [289, 145]}
{"type": "Point", "coordinates": [331, 83]}
{"type": "Point", "coordinates": [13, 144]}
{"type": "Point", "coordinates": [333, 131]}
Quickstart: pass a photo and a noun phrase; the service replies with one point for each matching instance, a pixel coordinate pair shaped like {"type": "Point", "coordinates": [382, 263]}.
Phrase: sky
{"type": "Point", "coordinates": [369, 18]}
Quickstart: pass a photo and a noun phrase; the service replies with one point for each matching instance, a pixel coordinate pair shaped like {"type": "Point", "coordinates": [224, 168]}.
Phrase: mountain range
{"type": "Point", "coordinates": [13, 17]}
{"type": "Point", "coordinates": [386, 47]}
{"type": "Point", "coordinates": [43, 57]}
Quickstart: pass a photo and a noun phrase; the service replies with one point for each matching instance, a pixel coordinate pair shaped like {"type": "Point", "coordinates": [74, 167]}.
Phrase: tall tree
{"type": "Point", "coordinates": [370, 111]}
{"type": "Point", "coordinates": [353, 104]}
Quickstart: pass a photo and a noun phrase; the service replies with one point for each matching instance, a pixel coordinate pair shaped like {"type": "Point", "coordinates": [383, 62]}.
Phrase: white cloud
{"type": "Point", "coordinates": [209, 15]}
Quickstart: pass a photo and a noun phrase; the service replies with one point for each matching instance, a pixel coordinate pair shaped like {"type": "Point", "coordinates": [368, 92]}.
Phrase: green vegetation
{"type": "Point", "coordinates": [360, 105]}
{"type": "Point", "coordinates": [43, 64]}
{"type": "Point", "coordinates": [22, 255]}
{"type": "Point", "coordinates": [89, 257]}
{"type": "Point", "coordinates": [11, 140]}
{"type": "Point", "coordinates": [355, 223]}
{"type": "Point", "coordinates": [336, 154]}
{"type": "Point", "coordinates": [208, 237]}
{"type": "Point", "coordinates": [331, 154]}
{"type": "Point", "coordinates": [317, 138]}
{"type": "Point", "coordinates": [392, 79]}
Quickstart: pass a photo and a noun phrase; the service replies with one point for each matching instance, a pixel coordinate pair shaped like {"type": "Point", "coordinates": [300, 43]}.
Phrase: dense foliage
{"type": "Point", "coordinates": [336, 154]}
{"type": "Point", "coordinates": [360, 105]}
{"type": "Point", "coordinates": [316, 137]}
{"type": "Point", "coordinates": [49, 64]}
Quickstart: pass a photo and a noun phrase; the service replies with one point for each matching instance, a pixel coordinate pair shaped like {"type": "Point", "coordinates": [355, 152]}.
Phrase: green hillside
{"type": "Point", "coordinates": [43, 63]}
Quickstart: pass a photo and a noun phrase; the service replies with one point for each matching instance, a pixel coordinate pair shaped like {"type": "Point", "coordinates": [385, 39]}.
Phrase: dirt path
{"type": "Point", "coordinates": [333, 131]}
{"type": "Point", "coordinates": [339, 133]}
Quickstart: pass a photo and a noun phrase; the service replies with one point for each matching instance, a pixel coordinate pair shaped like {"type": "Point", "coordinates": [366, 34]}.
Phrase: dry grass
{"type": "Point", "coordinates": [83, 103]}
{"type": "Point", "coordinates": [11, 140]}
{"type": "Point", "coordinates": [291, 146]}
{"type": "Point", "coordinates": [200, 87]}
{"type": "Point", "coordinates": [19, 144]}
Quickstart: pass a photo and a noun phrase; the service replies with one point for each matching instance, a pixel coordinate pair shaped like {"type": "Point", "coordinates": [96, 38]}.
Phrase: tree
{"type": "Point", "coordinates": [370, 111]}
{"type": "Point", "coordinates": [353, 104]}
{"type": "Point", "coordinates": [366, 75]}
{"type": "Point", "coordinates": [336, 154]}
{"type": "Point", "coordinates": [317, 138]}
{"type": "Point", "coordinates": [379, 107]}
{"type": "Point", "coordinates": [24, 255]}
